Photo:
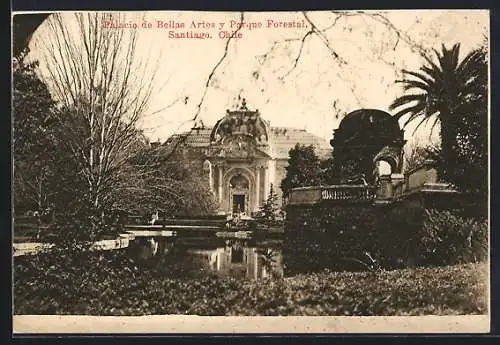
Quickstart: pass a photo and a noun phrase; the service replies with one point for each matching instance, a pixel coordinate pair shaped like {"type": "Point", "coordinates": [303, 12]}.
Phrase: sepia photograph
{"type": "Point", "coordinates": [251, 172]}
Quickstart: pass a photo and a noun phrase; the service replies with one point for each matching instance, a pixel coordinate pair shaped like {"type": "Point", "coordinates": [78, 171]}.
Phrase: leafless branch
{"type": "Point", "coordinates": [205, 90]}
{"type": "Point", "coordinates": [299, 54]}
{"type": "Point", "coordinates": [324, 39]}
{"type": "Point", "coordinates": [212, 73]}
{"type": "Point", "coordinates": [401, 35]}
{"type": "Point", "coordinates": [321, 34]}
{"type": "Point", "coordinates": [102, 89]}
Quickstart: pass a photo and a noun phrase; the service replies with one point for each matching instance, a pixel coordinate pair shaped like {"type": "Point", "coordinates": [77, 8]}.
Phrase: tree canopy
{"type": "Point", "coordinates": [77, 146]}
{"type": "Point", "coordinates": [269, 210]}
{"type": "Point", "coordinates": [159, 181]}
{"type": "Point", "coordinates": [303, 168]}
{"type": "Point", "coordinates": [453, 93]}
{"type": "Point", "coordinates": [33, 111]}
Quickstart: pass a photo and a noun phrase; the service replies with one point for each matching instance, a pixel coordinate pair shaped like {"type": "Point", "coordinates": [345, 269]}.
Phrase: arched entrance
{"type": "Point", "coordinates": [239, 188]}
{"type": "Point", "coordinates": [363, 138]}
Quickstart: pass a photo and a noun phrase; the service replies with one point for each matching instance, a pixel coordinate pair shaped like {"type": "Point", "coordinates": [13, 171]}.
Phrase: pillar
{"type": "Point", "coordinates": [211, 178]}
{"type": "Point", "coordinates": [266, 182]}
{"type": "Point", "coordinates": [256, 264]}
{"type": "Point", "coordinates": [384, 191]}
{"type": "Point", "coordinates": [257, 188]}
{"type": "Point", "coordinates": [220, 184]}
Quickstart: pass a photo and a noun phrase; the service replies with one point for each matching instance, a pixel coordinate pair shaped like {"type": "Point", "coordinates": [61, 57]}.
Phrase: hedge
{"type": "Point", "coordinates": [113, 283]}
{"type": "Point", "coordinates": [396, 236]}
{"type": "Point", "coordinates": [449, 238]}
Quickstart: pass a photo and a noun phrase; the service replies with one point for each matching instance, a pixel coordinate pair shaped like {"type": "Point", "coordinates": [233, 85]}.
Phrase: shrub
{"type": "Point", "coordinates": [339, 237]}
{"type": "Point", "coordinates": [269, 212]}
{"type": "Point", "coordinates": [113, 283]}
{"type": "Point", "coordinates": [449, 238]}
{"type": "Point", "coordinates": [347, 237]}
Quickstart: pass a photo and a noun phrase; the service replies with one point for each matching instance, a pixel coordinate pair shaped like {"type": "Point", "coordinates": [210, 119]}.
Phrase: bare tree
{"type": "Point", "coordinates": [374, 18]}
{"type": "Point", "coordinates": [102, 89]}
{"type": "Point", "coordinates": [327, 31]}
{"type": "Point", "coordinates": [417, 153]}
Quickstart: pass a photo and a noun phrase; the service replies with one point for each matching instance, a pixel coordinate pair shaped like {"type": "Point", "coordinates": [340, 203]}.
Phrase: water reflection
{"type": "Point", "coordinates": [248, 259]}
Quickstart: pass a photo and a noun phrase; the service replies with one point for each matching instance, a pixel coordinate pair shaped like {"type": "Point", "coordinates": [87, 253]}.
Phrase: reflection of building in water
{"type": "Point", "coordinates": [251, 262]}
{"type": "Point", "coordinates": [243, 155]}
{"type": "Point", "coordinates": [148, 247]}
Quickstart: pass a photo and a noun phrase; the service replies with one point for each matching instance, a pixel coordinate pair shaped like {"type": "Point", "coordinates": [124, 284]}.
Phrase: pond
{"type": "Point", "coordinates": [198, 256]}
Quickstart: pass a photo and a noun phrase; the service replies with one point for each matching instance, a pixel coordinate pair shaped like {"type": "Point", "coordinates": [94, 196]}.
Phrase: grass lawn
{"type": "Point", "coordinates": [113, 284]}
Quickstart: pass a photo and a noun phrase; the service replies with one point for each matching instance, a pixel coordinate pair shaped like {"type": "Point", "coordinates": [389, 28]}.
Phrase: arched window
{"type": "Point", "coordinates": [384, 168]}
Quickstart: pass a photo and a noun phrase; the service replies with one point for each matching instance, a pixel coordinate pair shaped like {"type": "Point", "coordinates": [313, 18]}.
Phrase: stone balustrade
{"type": "Point", "coordinates": [335, 194]}
{"type": "Point", "coordinates": [348, 193]}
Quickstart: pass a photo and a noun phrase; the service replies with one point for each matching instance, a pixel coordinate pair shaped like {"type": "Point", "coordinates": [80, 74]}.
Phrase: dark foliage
{"type": "Point", "coordinates": [269, 212]}
{"type": "Point", "coordinates": [32, 114]}
{"type": "Point", "coordinates": [51, 175]}
{"type": "Point", "coordinates": [113, 283]}
{"type": "Point", "coordinates": [328, 171]}
{"type": "Point", "coordinates": [165, 183]}
{"type": "Point", "coordinates": [455, 94]}
{"type": "Point", "coordinates": [303, 169]}
{"type": "Point", "coordinates": [354, 237]}
{"type": "Point", "coordinates": [450, 238]}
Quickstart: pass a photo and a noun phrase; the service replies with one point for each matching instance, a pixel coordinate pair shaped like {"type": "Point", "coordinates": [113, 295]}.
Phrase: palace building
{"type": "Point", "coordinates": [243, 156]}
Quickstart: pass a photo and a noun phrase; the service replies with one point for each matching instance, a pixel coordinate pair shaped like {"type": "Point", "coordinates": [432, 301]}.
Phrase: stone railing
{"type": "Point", "coordinates": [334, 193]}
{"type": "Point", "coordinates": [348, 193]}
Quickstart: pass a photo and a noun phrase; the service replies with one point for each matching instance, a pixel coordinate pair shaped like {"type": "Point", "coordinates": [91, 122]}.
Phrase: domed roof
{"type": "Point", "coordinates": [367, 126]}
{"type": "Point", "coordinates": [241, 122]}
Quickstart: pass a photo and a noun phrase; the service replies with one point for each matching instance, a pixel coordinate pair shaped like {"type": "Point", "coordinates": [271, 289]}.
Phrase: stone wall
{"type": "Point", "coordinates": [426, 173]}
{"type": "Point", "coordinates": [337, 236]}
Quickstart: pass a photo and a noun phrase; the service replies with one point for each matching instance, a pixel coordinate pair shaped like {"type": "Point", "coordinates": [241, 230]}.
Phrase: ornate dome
{"type": "Point", "coordinates": [367, 127]}
{"type": "Point", "coordinates": [241, 123]}
{"type": "Point", "coordinates": [365, 137]}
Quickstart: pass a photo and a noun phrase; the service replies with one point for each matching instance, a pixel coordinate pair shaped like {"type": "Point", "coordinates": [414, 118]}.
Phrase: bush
{"type": "Point", "coordinates": [76, 232]}
{"type": "Point", "coordinates": [113, 283]}
{"type": "Point", "coordinates": [450, 239]}
{"type": "Point", "coordinates": [397, 236]}
{"type": "Point", "coordinates": [337, 237]}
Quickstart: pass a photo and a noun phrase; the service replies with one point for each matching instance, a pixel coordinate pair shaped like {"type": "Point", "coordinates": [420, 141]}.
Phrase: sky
{"type": "Point", "coordinates": [259, 66]}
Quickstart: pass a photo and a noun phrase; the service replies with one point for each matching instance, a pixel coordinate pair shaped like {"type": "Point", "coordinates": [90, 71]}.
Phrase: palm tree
{"type": "Point", "coordinates": [445, 92]}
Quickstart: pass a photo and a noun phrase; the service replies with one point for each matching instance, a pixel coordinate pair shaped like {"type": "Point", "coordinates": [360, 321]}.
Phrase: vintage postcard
{"type": "Point", "coordinates": [251, 172]}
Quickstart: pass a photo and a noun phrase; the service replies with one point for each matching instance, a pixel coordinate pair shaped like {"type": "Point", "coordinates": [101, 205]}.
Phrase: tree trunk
{"type": "Point", "coordinates": [448, 140]}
